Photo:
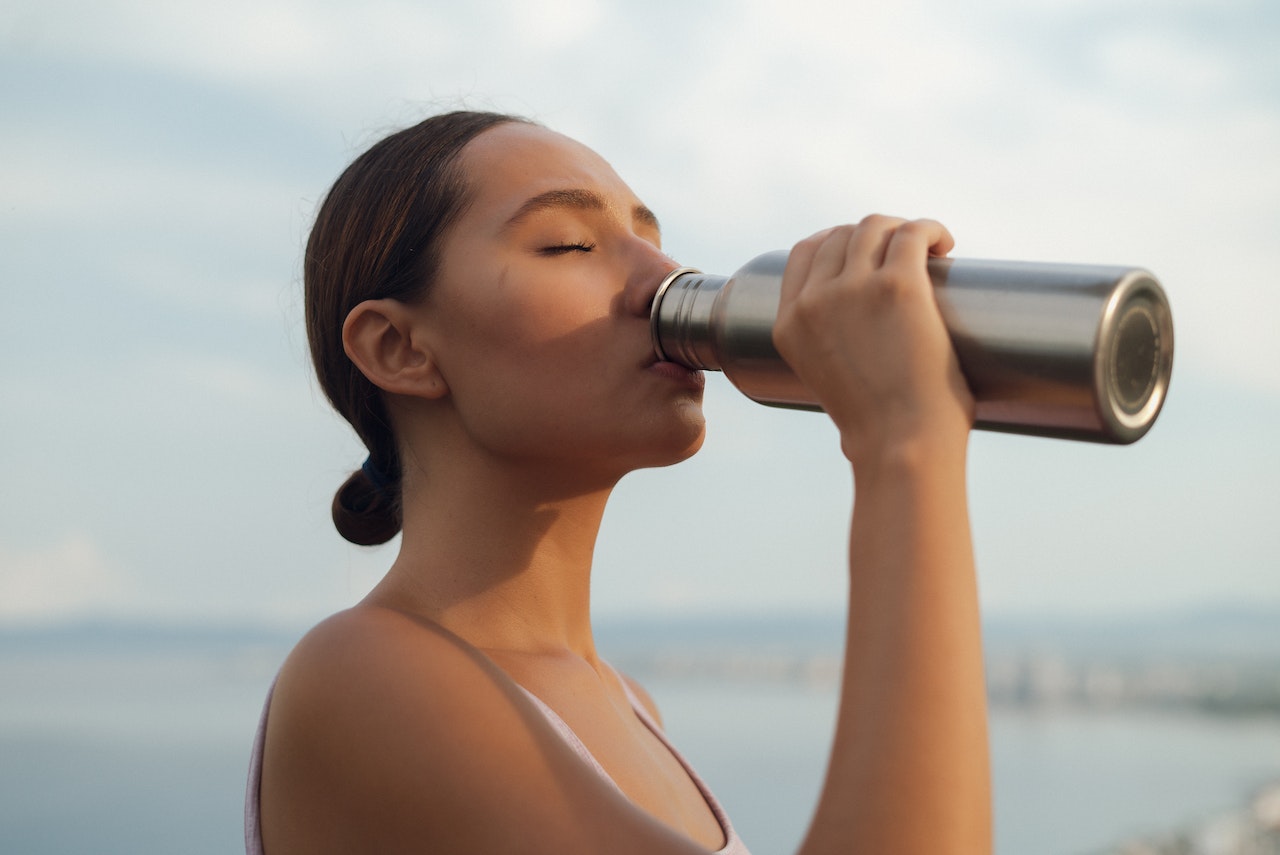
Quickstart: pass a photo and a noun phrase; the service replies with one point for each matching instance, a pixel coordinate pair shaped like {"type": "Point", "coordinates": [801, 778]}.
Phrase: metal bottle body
{"type": "Point", "coordinates": [1062, 350]}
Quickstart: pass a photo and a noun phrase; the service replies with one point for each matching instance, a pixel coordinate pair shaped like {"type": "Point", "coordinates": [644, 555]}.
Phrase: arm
{"type": "Point", "coordinates": [909, 768]}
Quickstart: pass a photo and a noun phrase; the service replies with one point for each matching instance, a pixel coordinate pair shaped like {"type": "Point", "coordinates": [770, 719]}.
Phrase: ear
{"type": "Point", "coordinates": [388, 344]}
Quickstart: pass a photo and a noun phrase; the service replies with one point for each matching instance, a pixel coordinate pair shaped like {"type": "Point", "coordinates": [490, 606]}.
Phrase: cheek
{"type": "Point", "coordinates": [520, 340]}
{"type": "Point", "coordinates": [528, 357]}
{"type": "Point", "coordinates": [529, 314]}
{"type": "Point", "coordinates": [530, 363]}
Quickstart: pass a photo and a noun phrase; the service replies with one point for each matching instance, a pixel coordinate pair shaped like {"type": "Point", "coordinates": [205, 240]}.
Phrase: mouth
{"type": "Point", "coordinates": [679, 373]}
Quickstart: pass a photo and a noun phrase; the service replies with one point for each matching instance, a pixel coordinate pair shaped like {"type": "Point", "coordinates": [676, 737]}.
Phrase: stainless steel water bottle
{"type": "Point", "coordinates": [1062, 350]}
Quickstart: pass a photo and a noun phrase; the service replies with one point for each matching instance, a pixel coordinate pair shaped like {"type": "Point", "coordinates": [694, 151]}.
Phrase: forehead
{"type": "Point", "coordinates": [513, 162]}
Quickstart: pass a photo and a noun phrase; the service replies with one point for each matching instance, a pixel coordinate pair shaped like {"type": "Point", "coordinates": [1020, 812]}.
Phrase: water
{"type": "Point", "coordinates": [143, 750]}
{"type": "Point", "coordinates": [1066, 782]}
{"type": "Point", "coordinates": [127, 752]}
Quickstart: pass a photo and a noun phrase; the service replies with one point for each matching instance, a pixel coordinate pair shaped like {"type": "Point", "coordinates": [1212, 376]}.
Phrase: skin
{"type": "Point", "coordinates": [521, 389]}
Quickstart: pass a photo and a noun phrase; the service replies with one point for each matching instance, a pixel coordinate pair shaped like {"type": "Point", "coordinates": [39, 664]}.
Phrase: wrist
{"type": "Point", "coordinates": [900, 454]}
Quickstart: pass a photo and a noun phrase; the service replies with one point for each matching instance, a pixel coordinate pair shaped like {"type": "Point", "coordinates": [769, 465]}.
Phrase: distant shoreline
{"type": "Point", "coordinates": [1251, 829]}
{"type": "Point", "coordinates": [1217, 662]}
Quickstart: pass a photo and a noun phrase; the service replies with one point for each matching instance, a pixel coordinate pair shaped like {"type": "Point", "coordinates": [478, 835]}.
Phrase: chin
{"type": "Point", "coordinates": [684, 443]}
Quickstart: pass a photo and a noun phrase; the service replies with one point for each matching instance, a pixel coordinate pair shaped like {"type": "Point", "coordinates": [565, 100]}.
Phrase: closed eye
{"type": "Point", "coordinates": [564, 248]}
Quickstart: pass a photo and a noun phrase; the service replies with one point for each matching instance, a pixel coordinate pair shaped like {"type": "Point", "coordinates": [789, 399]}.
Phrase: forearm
{"type": "Point", "coordinates": [909, 771]}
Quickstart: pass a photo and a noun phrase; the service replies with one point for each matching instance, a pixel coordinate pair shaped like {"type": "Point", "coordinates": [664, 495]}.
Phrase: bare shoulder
{"type": "Point", "coordinates": [642, 695]}
{"type": "Point", "coordinates": [372, 705]}
{"type": "Point", "coordinates": [387, 733]}
{"type": "Point", "coordinates": [374, 651]}
{"type": "Point", "coordinates": [352, 672]}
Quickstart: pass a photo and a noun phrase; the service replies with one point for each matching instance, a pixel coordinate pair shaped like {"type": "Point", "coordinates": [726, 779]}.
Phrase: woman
{"type": "Point", "coordinates": [478, 290]}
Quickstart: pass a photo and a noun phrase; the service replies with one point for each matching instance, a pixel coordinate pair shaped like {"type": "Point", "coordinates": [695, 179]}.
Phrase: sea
{"type": "Point", "coordinates": [121, 739]}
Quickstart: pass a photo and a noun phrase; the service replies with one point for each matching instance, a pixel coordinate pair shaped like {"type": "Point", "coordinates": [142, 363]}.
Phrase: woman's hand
{"type": "Point", "coordinates": [859, 324]}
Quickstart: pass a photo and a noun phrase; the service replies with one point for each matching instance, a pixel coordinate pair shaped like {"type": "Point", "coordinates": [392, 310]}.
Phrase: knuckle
{"type": "Point", "coordinates": [786, 334]}
{"type": "Point", "coordinates": [879, 221]}
{"type": "Point", "coordinates": [889, 289]}
{"type": "Point", "coordinates": [808, 314]}
{"type": "Point", "coordinates": [813, 241]}
{"type": "Point", "coordinates": [809, 307]}
{"type": "Point", "coordinates": [894, 286]}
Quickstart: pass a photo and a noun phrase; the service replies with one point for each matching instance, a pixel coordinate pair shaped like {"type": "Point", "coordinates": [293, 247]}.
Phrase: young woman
{"type": "Point", "coordinates": [478, 291]}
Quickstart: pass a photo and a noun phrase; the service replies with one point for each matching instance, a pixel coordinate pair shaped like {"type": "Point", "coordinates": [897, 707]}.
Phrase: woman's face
{"type": "Point", "coordinates": [540, 311]}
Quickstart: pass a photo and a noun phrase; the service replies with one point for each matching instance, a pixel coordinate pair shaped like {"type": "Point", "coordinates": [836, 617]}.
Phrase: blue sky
{"type": "Point", "coordinates": [169, 456]}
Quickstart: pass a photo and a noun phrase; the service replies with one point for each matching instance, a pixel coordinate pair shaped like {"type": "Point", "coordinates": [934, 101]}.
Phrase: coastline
{"type": "Point", "coordinates": [1251, 829]}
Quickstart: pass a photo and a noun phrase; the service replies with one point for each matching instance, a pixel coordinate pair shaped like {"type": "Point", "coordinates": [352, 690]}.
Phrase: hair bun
{"type": "Point", "coordinates": [364, 514]}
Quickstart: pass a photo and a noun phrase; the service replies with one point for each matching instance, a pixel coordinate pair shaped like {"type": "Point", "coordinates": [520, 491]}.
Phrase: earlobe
{"type": "Point", "coordinates": [386, 344]}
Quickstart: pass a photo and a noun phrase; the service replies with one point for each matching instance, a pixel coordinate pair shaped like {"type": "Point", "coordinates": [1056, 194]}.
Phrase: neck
{"type": "Point", "coordinates": [499, 556]}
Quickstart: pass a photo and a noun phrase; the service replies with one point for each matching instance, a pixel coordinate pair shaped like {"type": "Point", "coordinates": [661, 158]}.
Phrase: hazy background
{"type": "Point", "coordinates": [167, 455]}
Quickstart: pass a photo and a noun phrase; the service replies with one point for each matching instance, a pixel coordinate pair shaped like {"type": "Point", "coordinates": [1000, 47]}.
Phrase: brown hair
{"type": "Point", "coordinates": [378, 235]}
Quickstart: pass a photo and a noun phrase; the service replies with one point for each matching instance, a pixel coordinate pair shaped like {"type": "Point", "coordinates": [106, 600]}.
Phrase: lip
{"type": "Point", "coordinates": [675, 371]}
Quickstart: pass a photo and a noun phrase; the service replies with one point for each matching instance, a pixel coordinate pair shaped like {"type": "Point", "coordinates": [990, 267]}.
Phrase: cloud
{"type": "Point", "coordinates": [63, 579]}
{"type": "Point", "coordinates": [162, 162]}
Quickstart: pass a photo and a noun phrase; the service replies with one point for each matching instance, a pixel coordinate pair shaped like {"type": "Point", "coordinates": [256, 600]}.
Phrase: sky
{"type": "Point", "coordinates": [168, 455]}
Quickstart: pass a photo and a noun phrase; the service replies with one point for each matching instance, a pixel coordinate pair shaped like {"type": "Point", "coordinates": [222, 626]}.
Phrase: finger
{"type": "Point", "coordinates": [832, 253]}
{"type": "Point", "coordinates": [943, 243]}
{"type": "Point", "coordinates": [817, 257]}
{"type": "Point", "coordinates": [913, 242]}
{"type": "Point", "coordinates": [944, 246]}
{"type": "Point", "coordinates": [799, 263]}
{"type": "Point", "coordinates": [866, 252]}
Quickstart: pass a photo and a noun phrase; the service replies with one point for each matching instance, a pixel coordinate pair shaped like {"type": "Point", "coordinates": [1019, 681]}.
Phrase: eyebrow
{"type": "Point", "coordinates": [582, 200]}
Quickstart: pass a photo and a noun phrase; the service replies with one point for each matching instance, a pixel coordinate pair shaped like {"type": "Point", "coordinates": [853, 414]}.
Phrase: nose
{"type": "Point", "coordinates": [650, 265]}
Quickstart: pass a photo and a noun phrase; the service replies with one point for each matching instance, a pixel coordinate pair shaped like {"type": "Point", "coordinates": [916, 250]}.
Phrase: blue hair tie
{"type": "Point", "coordinates": [380, 479]}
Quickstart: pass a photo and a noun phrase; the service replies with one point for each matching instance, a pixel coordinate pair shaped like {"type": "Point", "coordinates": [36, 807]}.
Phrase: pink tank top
{"type": "Point", "coordinates": [733, 844]}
